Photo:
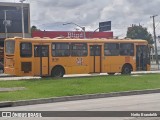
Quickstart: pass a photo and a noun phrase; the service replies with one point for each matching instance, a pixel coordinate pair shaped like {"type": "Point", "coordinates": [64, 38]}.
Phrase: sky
{"type": "Point", "coordinates": [52, 14]}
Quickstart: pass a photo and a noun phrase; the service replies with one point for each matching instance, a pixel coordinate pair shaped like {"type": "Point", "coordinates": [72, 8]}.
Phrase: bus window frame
{"type": "Point", "coordinates": [109, 50]}
{"type": "Point", "coordinates": [86, 49]}
{"type": "Point", "coordinates": [28, 56]}
{"type": "Point", "coordinates": [41, 52]}
{"type": "Point", "coordinates": [94, 51]}
{"type": "Point", "coordinates": [60, 49]}
{"type": "Point", "coordinates": [6, 47]}
{"type": "Point", "coordinates": [120, 50]}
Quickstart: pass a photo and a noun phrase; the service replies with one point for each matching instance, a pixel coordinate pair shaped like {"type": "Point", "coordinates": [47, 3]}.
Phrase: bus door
{"type": "Point", "coordinates": [95, 58]}
{"type": "Point", "coordinates": [141, 57]}
{"type": "Point", "coordinates": [41, 60]}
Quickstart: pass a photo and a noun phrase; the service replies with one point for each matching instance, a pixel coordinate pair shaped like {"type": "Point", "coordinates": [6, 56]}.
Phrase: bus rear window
{"type": "Point", "coordinates": [9, 47]}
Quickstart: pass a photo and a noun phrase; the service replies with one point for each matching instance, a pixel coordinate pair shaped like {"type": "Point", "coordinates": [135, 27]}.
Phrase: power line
{"type": "Point", "coordinates": [157, 24]}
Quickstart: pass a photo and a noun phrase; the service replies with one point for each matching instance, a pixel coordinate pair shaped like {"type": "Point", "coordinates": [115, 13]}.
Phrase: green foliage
{"type": "Point", "coordinates": [49, 87]}
{"type": "Point", "coordinates": [139, 32]}
{"type": "Point", "coordinates": [34, 28]}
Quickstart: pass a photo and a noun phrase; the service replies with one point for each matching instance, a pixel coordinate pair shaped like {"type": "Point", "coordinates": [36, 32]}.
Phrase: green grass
{"type": "Point", "coordinates": [49, 87]}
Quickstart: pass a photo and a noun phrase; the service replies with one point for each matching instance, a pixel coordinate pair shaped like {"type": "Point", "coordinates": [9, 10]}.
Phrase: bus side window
{"type": "Point", "coordinates": [45, 51]}
{"type": "Point", "coordinates": [36, 51]}
{"type": "Point", "coordinates": [126, 49]}
{"type": "Point", "coordinates": [26, 49]}
{"type": "Point", "coordinates": [111, 49]}
{"type": "Point", "coordinates": [79, 49]}
{"type": "Point", "coordinates": [60, 49]}
{"type": "Point", "coordinates": [41, 51]}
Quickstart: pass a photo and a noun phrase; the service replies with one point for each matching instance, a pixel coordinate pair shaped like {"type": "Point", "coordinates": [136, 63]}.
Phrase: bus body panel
{"type": "Point", "coordinates": [79, 65]}
{"type": "Point", "coordinates": [114, 64]}
{"type": "Point", "coordinates": [95, 61]}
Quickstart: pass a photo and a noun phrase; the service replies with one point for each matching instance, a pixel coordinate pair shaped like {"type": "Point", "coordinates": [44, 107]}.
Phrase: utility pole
{"type": "Point", "coordinates": [5, 22]}
{"type": "Point", "coordinates": [23, 35]}
{"type": "Point", "coordinates": [155, 41]}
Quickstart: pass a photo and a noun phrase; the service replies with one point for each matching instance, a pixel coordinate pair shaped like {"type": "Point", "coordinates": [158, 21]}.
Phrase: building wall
{"type": "Point", "coordinates": [72, 34]}
{"type": "Point", "coordinates": [13, 14]}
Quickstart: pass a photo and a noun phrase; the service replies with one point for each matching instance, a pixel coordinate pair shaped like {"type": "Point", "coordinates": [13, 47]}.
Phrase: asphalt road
{"type": "Point", "coordinates": [145, 102]}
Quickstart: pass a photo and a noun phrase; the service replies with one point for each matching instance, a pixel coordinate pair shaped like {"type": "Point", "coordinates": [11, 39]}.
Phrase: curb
{"type": "Point", "coordinates": [76, 97]}
{"type": "Point", "coordinates": [5, 104]}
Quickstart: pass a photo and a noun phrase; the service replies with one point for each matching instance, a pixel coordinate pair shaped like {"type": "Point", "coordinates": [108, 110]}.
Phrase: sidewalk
{"type": "Point", "coordinates": [7, 77]}
{"type": "Point", "coordinates": [4, 77]}
{"type": "Point", "coordinates": [11, 89]}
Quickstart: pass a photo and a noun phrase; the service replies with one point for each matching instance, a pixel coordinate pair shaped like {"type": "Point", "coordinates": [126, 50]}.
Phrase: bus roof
{"type": "Point", "coordinates": [95, 40]}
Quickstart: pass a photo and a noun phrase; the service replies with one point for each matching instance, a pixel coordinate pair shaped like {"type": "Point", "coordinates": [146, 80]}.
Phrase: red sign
{"type": "Point", "coordinates": [72, 34]}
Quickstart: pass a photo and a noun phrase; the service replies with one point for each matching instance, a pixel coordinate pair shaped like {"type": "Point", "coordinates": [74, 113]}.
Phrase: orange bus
{"type": "Point", "coordinates": [57, 57]}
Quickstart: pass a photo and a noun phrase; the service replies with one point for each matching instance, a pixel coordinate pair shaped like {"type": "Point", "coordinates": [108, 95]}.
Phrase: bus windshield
{"type": "Point", "coordinates": [9, 47]}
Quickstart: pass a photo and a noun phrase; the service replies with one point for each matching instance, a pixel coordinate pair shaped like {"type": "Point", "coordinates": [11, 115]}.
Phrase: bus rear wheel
{"type": "Point", "coordinates": [57, 72]}
{"type": "Point", "coordinates": [126, 69]}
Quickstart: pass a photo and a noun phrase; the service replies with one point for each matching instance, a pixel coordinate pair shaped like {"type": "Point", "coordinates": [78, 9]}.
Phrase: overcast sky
{"type": "Point", "coordinates": [51, 14]}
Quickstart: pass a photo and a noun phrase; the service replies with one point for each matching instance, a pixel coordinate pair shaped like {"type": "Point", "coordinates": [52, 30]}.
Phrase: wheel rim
{"type": "Point", "coordinates": [126, 70]}
{"type": "Point", "coordinates": [58, 73]}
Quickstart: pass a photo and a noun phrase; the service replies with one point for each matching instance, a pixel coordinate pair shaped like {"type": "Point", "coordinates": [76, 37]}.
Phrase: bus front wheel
{"type": "Point", "coordinates": [57, 72]}
{"type": "Point", "coordinates": [126, 69]}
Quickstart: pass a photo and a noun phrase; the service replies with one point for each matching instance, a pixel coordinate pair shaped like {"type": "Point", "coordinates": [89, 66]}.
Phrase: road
{"type": "Point", "coordinates": [145, 102]}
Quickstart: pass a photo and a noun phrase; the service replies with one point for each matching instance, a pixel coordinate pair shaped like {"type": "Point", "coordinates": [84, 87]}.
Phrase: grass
{"type": "Point", "coordinates": [49, 87]}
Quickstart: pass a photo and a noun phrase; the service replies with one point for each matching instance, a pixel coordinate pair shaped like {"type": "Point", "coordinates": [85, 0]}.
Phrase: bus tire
{"type": "Point", "coordinates": [126, 69]}
{"type": "Point", "coordinates": [57, 72]}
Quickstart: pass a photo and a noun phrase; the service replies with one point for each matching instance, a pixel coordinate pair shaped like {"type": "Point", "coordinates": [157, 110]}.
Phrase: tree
{"type": "Point", "coordinates": [139, 32]}
{"type": "Point", "coordinates": [34, 28]}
